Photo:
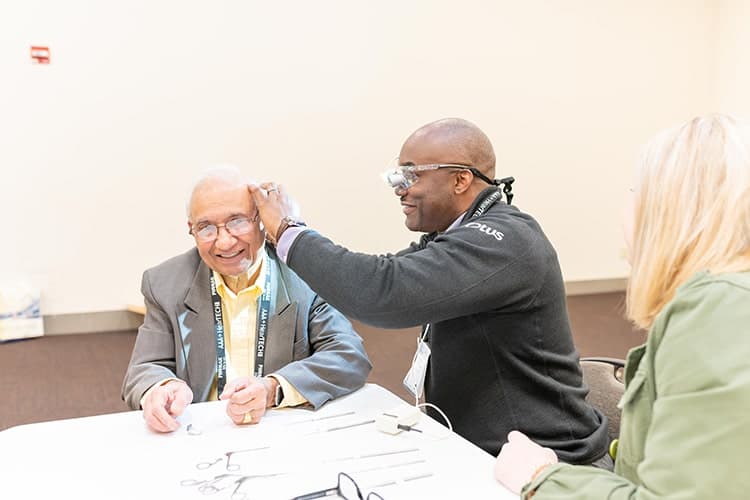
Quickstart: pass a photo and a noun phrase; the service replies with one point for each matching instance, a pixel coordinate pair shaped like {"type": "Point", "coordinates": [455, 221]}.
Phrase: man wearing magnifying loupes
{"type": "Point", "coordinates": [496, 351]}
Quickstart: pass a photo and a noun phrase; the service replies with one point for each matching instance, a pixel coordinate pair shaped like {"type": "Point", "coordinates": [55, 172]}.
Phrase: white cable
{"type": "Point", "coordinates": [447, 421]}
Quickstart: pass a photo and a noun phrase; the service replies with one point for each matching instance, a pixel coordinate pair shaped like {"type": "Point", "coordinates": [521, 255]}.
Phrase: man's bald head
{"type": "Point", "coordinates": [465, 165]}
{"type": "Point", "coordinates": [464, 140]}
{"type": "Point", "coordinates": [224, 176]}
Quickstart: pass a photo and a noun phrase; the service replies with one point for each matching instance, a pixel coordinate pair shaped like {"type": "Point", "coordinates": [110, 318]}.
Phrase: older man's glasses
{"type": "Point", "coordinates": [346, 488]}
{"type": "Point", "coordinates": [206, 232]}
{"type": "Point", "coordinates": [405, 176]}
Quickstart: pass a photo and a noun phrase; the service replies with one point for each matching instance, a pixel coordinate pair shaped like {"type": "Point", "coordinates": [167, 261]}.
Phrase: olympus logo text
{"type": "Point", "coordinates": [486, 229]}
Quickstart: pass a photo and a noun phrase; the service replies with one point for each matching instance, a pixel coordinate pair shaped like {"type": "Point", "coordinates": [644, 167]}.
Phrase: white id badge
{"type": "Point", "coordinates": [414, 380]}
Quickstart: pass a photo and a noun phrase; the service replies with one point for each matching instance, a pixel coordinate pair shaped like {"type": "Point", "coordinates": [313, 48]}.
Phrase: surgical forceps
{"type": "Point", "coordinates": [230, 467]}
{"type": "Point", "coordinates": [218, 483]}
{"type": "Point", "coordinates": [241, 495]}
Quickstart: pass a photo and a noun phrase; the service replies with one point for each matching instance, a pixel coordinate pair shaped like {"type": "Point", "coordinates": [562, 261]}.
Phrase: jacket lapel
{"type": "Point", "coordinates": [197, 332]}
{"type": "Point", "coordinates": [282, 324]}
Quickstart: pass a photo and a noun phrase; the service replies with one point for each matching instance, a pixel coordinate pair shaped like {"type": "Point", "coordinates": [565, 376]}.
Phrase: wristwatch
{"type": "Point", "coordinates": [279, 396]}
{"type": "Point", "coordinates": [286, 223]}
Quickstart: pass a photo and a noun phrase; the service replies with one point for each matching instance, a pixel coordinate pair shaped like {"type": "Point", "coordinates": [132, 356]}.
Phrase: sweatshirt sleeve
{"type": "Point", "coordinates": [460, 272]}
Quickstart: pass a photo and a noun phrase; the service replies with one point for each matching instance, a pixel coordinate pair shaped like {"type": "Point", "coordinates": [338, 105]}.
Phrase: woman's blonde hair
{"type": "Point", "coordinates": [692, 211]}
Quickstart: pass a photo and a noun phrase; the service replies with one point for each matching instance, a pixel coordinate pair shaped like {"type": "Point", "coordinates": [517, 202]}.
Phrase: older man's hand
{"type": "Point", "coordinates": [165, 403]}
{"type": "Point", "coordinates": [248, 397]}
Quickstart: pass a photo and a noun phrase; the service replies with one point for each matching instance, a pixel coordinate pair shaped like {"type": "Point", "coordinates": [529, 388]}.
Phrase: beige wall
{"type": "Point", "coordinates": [733, 65]}
{"type": "Point", "coordinates": [98, 149]}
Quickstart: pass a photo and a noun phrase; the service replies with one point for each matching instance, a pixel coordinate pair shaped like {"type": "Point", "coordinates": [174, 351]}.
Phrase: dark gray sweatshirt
{"type": "Point", "coordinates": [502, 352]}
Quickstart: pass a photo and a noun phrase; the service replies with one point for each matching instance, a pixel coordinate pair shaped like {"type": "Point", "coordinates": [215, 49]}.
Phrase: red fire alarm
{"type": "Point", "coordinates": [40, 55]}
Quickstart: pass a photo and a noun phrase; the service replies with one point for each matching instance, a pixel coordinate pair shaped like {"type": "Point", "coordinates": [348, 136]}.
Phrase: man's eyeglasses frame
{"type": "Point", "coordinates": [233, 226]}
{"type": "Point", "coordinates": [405, 176]}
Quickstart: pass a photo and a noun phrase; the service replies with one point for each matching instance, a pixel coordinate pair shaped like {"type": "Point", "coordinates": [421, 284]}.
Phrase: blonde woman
{"type": "Point", "coordinates": [685, 428]}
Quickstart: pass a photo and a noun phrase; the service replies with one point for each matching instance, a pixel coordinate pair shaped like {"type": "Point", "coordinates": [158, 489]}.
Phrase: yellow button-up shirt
{"type": "Point", "coordinates": [240, 317]}
{"type": "Point", "coordinates": [241, 329]}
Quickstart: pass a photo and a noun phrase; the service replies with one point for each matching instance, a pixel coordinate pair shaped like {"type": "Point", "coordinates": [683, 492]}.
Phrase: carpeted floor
{"type": "Point", "coordinates": [66, 376]}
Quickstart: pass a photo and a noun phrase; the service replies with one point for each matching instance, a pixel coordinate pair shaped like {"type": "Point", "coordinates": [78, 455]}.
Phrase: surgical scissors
{"type": "Point", "coordinates": [230, 467]}
{"type": "Point", "coordinates": [208, 486]}
{"type": "Point", "coordinates": [206, 465]}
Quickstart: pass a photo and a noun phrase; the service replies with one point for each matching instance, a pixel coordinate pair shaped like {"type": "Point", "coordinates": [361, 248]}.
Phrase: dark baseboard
{"type": "Point", "coordinates": [592, 287]}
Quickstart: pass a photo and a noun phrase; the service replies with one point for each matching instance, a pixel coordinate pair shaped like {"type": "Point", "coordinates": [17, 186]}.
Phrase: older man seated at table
{"type": "Point", "coordinates": [227, 320]}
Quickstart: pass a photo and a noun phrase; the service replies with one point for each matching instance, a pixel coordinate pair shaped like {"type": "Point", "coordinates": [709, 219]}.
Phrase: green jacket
{"type": "Point", "coordinates": [685, 427]}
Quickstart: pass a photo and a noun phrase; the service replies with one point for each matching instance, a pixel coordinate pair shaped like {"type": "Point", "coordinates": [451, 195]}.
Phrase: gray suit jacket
{"type": "Point", "coordinates": [309, 343]}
